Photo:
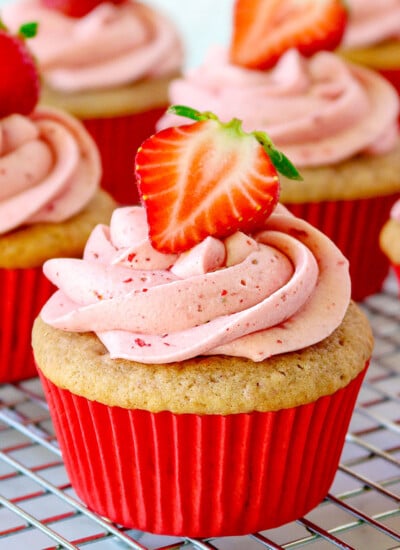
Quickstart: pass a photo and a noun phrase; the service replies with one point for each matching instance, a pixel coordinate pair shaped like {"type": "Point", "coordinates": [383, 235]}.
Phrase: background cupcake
{"type": "Point", "coordinates": [49, 200]}
{"type": "Point", "coordinates": [336, 121]}
{"type": "Point", "coordinates": [224, 339]}
{"type": "Point", "coordinates": [372, 37]}
{"type": "Point", "coordinates": [390, 239]}
{"type": "Point", "coordinates": [109, 64]}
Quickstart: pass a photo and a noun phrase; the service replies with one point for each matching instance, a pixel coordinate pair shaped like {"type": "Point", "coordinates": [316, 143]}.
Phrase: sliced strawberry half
{"type": "Point", "coordinates": [75, 8]}
{"type": "Point", "coordinates": [206, 178]}
{"type": "Point", "coordinates": [19, 78]}
{"type": "Point", "coordinates": [264, 29]}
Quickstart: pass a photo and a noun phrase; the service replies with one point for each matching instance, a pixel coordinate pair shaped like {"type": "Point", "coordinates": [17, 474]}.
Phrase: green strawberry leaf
{"type": "Point", "coordinates": [28, 30]}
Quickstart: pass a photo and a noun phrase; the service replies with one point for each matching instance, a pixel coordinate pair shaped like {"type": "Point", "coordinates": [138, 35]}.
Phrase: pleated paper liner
{"type": "Point", "coordinates": [201, 476]}
{"type": "Point", "coordinates": [396, 271]}
{"type": "Point", "coordinates": [393, 75]}
{"type": "Point", "coordinates": [118, 139]}
{"type": "Point", "coordinates": [23, 293]}
{"type": "Point", "coordinates": [354, 226]}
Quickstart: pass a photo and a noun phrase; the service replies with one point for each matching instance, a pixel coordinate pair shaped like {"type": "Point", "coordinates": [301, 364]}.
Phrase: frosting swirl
{"type": "Point", "coordinates": [282, 289]}
{"type": "Point", "coordinates": [49, 168]}
{"type": "Point", "coordinates": [112, 45]}
{"type": "Point", "coordinates": [318, 111]}
{"type": "Point", "coordinates": [372, 22]}
{"type": "Point", "coordinates": [395, 211]}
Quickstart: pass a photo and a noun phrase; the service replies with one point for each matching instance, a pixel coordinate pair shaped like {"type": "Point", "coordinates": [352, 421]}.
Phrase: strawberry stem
{"type": "Point", "coordinates": [28, 30]}
{"type": "Point", "coordinates": [278, 159]}
{"type": "Point", "coordinates": [188, 112]}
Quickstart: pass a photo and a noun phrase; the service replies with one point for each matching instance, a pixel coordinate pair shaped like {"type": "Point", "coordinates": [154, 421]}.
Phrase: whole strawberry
{"type": "Point", "coordinates": [75, 8]}
{"type": "Point", "coordinates": [207, 178]}
{"type": "Point", "coordinates": [19, 88]}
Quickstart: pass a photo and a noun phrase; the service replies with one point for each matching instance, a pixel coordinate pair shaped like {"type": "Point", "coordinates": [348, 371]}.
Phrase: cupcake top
{"type": "Point", "coordinates": [114, 44]}
{"type": "Point", "coordinates": [319, 110]}
{"type": "Point", "coordinates": [49, 165]}
{"type": "Point", "coordinates": [389, 236]}
{"type": "Point", "coordinates": [395, 211]}
{"type": "Point", "coordinates": [49, 168]}
{"type": "Point", "coordinates": [279, 74]}
{"type": "Point", "coordinates": [211, 264]}
{"type": "Point", "coordinates": [372, 22]}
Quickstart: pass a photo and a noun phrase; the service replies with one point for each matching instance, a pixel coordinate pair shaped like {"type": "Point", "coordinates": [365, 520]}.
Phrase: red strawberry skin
{"type": "Point", "coordinates": [75, 8]}
{"type": "Point", "coordinates": [19, 80]}
{"type": "Point", "coordinates": [203, 179]}
{"type": "Point", "coordinates": [264, 29]}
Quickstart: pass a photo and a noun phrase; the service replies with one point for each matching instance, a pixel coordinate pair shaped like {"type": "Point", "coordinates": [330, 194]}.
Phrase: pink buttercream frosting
{"type": "Point", "coordinates": [395, 211]}
{"type": "Point", "coordinates": [112, 45]}
{"type": "Point", "coordinates": [318, 111]}
{"type": "Point", "coordinates": [282, 289]}
{"type": "Point", "coordinates": [371, 22]}
{"type": "Point", "coordinates": [49, 168]}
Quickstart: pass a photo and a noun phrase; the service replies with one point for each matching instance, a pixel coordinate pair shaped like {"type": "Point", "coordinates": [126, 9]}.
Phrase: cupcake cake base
{"type": "Point", "coordinates": [224, 446]}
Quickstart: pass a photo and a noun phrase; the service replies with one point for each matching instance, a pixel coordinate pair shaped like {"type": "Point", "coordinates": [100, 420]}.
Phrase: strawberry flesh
{"type": "Point", "coordinates": [263, 30]}
{"type": "Point", "coordinates": [204, 179]}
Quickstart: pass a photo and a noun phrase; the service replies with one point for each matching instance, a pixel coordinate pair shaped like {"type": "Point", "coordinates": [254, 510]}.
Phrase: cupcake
{"type": "Point", "coordinates": [336, 121]}
{"type": "Point", "coordinates": [214, 354]}
{"type": "Point", "coordinates": [108, 64]}
{"type": "Point", "coordinates": [49, 200]}
{"type": "Point", "coordinates": [372, 37]}
{"type": "Point", "coordinates": [390, 239]}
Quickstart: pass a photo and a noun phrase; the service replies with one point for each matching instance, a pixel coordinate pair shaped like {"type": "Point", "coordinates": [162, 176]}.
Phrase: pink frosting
{"type": "Point", "coordinates": [371, 22]}
{"type": "Point", "coordinates": [318, 111]}
{"type": "Point", "coordinates": [49, 168]}
{"type": "Point", "coordinates": [282, 289]}
{"type": "Point", "coordinates": [111, 46]}
{"type": "Point", "coordinates": [395, 211]}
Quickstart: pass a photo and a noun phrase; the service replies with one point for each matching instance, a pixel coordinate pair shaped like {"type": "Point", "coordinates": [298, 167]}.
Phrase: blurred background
{"type": "Point", "coordinates": [201, 23]}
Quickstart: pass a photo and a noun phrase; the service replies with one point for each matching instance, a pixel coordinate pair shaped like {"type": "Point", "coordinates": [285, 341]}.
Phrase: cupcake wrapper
{"type": "Point", "coordinates": [24, 291]}
{"type": "Point", "coordinates": [396, 270]}
{"type": "Point", "coordinates": [201, 476]}
{"type": "Point", "coordinates": [354, 226]}
{"type": "Point", "coordinates": [118, 139]}
{"type": "Point", "coordinates": [393, 76]}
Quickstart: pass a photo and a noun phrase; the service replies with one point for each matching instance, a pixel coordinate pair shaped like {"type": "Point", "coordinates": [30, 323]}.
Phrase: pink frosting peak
{"type": "Point", "coordinates": [282, 289]}
{"type": "Point", "coordinates": [111, 46]}
{"type": "Point", "coordinates": [318, 111]}
{"type": "Point", "coordinates": [49, 168]}
{"type": "Point", "coordinates": [395, 211]}
{"type": "Point", "coordinates": [371, 22]}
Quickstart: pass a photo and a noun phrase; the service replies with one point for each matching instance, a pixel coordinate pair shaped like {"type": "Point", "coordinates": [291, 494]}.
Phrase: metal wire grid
{"type": "Point", "coordinates": [39, 510]}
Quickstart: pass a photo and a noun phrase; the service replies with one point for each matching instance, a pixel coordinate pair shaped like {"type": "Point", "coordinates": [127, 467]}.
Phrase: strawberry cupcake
{"type": "Point", "coordinates": [372, 37]}
{"type": "Point", "coordinates": [335, 120]}
{"type": "Point", "coordinates": [214, 355]}
{"type": "Point", "coordinates": [49, 199]}
{"type": "Point", "coordinates": [108, 64]}
{"type": "Point", "coordinates": [390, 239]}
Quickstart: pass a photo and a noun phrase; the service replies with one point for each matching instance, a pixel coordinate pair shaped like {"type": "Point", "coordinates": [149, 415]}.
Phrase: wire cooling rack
{"type": "Point", "coordinates": [39, 509]}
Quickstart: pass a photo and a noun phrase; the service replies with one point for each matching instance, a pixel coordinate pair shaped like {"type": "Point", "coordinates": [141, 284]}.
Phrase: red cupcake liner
{"type": "Point", "coordinates": [201, 476]}
{"type": "Point", "coordinates": [24, 292]}
{"type": "Point", "coordinates": [118, 139]}
{"type": "Point", "coordinates": [396, 271]}
{"type": "Point", "coordinates": [393, 76]}
{"type": "Point", "coordinates": [354, 226]}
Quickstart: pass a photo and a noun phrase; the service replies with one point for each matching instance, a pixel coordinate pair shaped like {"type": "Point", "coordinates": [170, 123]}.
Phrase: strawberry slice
{"type": "Point", "coordinates": [19, 88]}
{"type": "Point", "coordinates": [206, 179]}
{"type": "Point", "coordinates": [264, 29]}
{"type": "Point", "coordinates": [75, 8]}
